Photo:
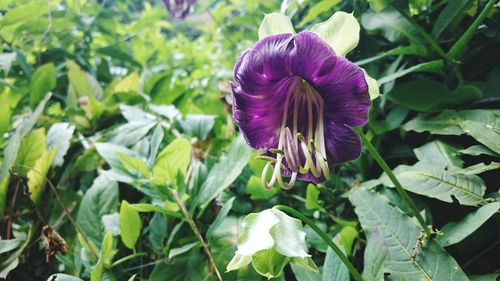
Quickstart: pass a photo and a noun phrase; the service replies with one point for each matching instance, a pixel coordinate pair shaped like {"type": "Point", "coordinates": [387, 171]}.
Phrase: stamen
{"type": "Point", "coordinates": [291, 151]}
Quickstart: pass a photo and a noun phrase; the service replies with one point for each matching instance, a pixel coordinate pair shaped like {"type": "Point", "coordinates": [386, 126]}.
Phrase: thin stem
{"type": "Point", "coordinates": [376, 156]}
{"type": "Point", "coordinates": [127, 258]}
{"type": "Point", "coordinates": [325, 237]}
{"type": "Point", "coordinates": [196, 232]}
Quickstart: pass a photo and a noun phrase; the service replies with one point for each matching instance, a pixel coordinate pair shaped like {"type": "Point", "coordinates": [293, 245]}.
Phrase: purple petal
{"type": "Point", "coordinates": [342, 143]}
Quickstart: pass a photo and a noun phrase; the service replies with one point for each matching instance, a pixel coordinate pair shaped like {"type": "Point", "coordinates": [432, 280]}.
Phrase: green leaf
{"type": "Point", "coordinates": [431, 96]}
{"type": "Point", "coordinates": [417, 50]}
{"type": "Point", "coordinates": [440, 153]}
{"type": "Point", "coordinates": [476, 150]}
{"type": "Point", "coordinates": [275, 23]}
{"type": "Point", "coordinates": [181, 250]}
{"type": "Point", "coordinates": [373, 89]}
{"type": "Point", "coordinates": [188, 267]}
{"type": "Point", "coordinates": [9, 245]}
{"type": "Point", "coordinates": [63, 277]}
{"type": "Point", "coordinates": [312, 196]}
{"type": "Point", "coordinates": [302, 274]}
{"type": "Point", "coordinates": [318, 9]}
{"type": "Point", "coordinates": [198, 125]}
{"type": "Point", "coordinates": [334, 268]}
{"type": "Point", "coordinates": [220, 217]}
{"type": "Point", "coordinates": [453, 10]}
{"type": "Point", "coordinates": [42, 82]}
{"type": "Point", "coordinates": [477, 169]}
{"type": "Point", "coordinates": [482, 125]}
{"type": "Point", "coordinates": [431, 180]}
{"type": "Point", "coordinates": [81, 84]}
{"type": "Point", "coordinates": [111, 154]}
{"type": "Point", "coordinates": [435, 66]}
{"type": "Point", "coordinates": [32, 148]}
{"type": "Point", "coordinates": [59, 137]}
{"type": "Point", "coordinates": [454, 232]}
{"type": "Point", "coordinates": [157, 232]}
{"type": "Point", "coordinates": [134, 165]}
{"type": "Point", "coordinates": [105, 258]}
{"type": "Point", "coordinates": [224, 172]}
{"type": "Point", "coordinates": [99, 200]}
{"type": "Point", "coordinates": [37, 175]}
{"type": "Point", "coordinates": [130, 225]}
{"type": "Point", "coordinates": [445, 123]}
{"type": "Point", "coordinates": [259, 192]}
{"type": "Point", "coordinates": [340, 31]}
{"type": "Point", "coordinates": [172, 159]}
{"type": "Point", "coordinates": [400, 234]}
{"type": "Point", "coordinates": [390, 23]}
{"type": "Point", "coordinates": [375, 257]}
{"type": "Point", "coordinates": [25, 12]}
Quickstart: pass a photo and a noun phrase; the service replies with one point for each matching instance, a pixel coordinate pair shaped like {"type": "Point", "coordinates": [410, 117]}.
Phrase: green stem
{"type": "Point", "coordinates": [376, 156]}
{"type": "Point", "coordinates": [457, 49]}
{"type": "Point", "coordinates": [325, 237]}
{"type": "Point", "coordinates": [127, 258]}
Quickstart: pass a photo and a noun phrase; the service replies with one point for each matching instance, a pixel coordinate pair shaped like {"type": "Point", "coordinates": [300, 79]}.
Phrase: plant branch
{"type": "Point", "coordinates": [376, 156]}
{"type": "Point", "coordinates": [196, 232]}
{"type": "Point", "coordinates": [354, 272]}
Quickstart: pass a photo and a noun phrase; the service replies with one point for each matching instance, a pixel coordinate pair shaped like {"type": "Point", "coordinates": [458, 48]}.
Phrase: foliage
{"type": "Point", "coordinates": [116, 130]}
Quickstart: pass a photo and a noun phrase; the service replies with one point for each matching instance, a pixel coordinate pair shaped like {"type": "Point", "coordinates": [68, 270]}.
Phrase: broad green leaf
{"type": "Point", "coordinates": [445, 123]}
{"type": "Point", "coordinates": [375, 257]}
{"type": "Point", "coordinates": [259, 192]}
{"type": "Point", "coordinates": [63, 277]}
{"type": "Point", "coordinates": [417, 50]}
{"type": "Point", "coordinates": [435, 66]}
{"type": "Point", "coordinates": [36, 175]}
{"type": "Point", "coordinates": [198, 125]}
{"type": "Point", "coordinates": [319, 8]}
{"type": "Point", "coordinates": [334, 268]}
{"type": "Point", "coordinates": [59, 137]}
{"type": "Point", "coordinates": [21, 13]}
{"type": "Point", "coordinates": [156, 139]}
{"type": "Point", "coordinates": [99, 200]}
{"type": "Point", "coordinates": [340, 31]}
{"type": "Point", "coordinates": [191, 266]}
{"type": "Point", "coordinates": [482, 125]}
{"type": "Point", "coordinates": [32, 148]}
{"type": "Point", "coordinates": [478, 169]}
{"type": "Point", "coordinates": [111, 154]}
{"type": "Point", "coordinates": [312, 196]}
{"type": "Point", "coordinates": [302, 274]}
{"type": "Point", "coordinates": [454, 232]}
{"type": "Point", "coordinates": [400, 234]}
{"type": "Point", "coordinates": [224, 172]}
{"type": "Point", "coordinates": [131, 133]}
{"type": "Point", "coordinates": [181, 250]}
{"type": "Point", "coordinates": [172, 159]}
{"type": "Point", "coordinates": [9, 245]}
{"type": "Point", "coordinates": [346, 238]}
{"type": "Point", "coordinates": [431, 180]}
{"type": "Point", "coordinates": [134, 165]}
{"type": "Point", "coordinates": [392, 25]}
{"type": "Point", "coordinates": [440, 153]}
{"type": "Point", "coordinates": [42, 82]}
{"type": "Point", "coordinates": [307, 263]}
{"type": "Point", "coordinates": [129, 83]}
{"type": "Point", "coordinates": [275, 23]}
{"type": "Point", "coordinates": [157, 232]}
{"type": "Point", "coordinates": [476, 150]}
{"type": "Point", "coordinates": [130, 225]}
{"type": "Point", "coordinates": [431, 96]}
{"type": "Point", "coordinates": [81, 84]}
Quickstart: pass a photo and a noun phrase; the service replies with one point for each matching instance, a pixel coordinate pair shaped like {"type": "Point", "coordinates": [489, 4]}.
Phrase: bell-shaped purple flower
{"type": "Point", "coordinates": [179, 8]}
{"type": "Point", "coordinates": [296, 102]}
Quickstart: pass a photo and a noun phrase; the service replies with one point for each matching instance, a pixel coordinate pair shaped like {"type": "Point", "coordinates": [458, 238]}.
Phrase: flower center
{"type": "Point", "coordinates": [302, 146]}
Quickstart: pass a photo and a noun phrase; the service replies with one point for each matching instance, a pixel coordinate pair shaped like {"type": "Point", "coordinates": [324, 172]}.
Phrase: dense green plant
{"type": "Point", "coordinates": [121, 160]}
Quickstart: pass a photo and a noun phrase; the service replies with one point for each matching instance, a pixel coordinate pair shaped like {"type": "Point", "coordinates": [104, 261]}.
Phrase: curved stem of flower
{"type": "Point", "coordinates": [380, 161]}
{"type": "Point", "coordinates": [325, 237]}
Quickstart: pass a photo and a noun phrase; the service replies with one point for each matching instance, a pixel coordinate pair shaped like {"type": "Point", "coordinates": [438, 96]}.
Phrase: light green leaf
{"type": "Point", "coordinates": [289, 236]}
{"type": "Point", "coordinates": [312, 195]}
{"type": "Point", "coordinates": [134, 165]}
{"type": "Point", "coordinates": [32, 148]}
{"type": "Point", "coordinates": [440, 153]}
{"type": "Point", "coordinates": [477, 169]}
{"type": "Point", "coordinates": [37, 175]}
{"type": "Point", "coordinates": [454, 232]}
{"type": "Point", "coordinates": [334, 268]}
{"type": "Point", "coordinates": [373, 89]}
{"type": "Point", "coordinates": [400, 234]}
{"type": "Point", "coordinates": [435, 66]}
{"type": "Point", "coordinates": [224, 172]}
{"type": "Point", "coordinates": [445, 123]}
{"type": "Point", "coordinates": [255, 232]}
{"type": "Point", "coordinates": [340, 31]}
{"type": "Point", "coordinates": [172, 159]}
{"type": "Point", "coordinates": [482, 125]}
{"type": "Point", "coordinates": [63, 277]}
{"type": "Point", "coordinates": [59, 137]}
{"type": "Point", "coordinates": [220, 217]}
{"type": "Point", "coordinates": [42, 82]}
{"type": "Point", "coordinates": [318, 9]}
{"type": "Point", "coordinates": [9, 245]}
{"type": "Point", "coordinates": [130, 225]}
{"type": "Point", "coordinates": [99, 200]}
{"type": "Point", "coordinates": [392, 25]}
{"type": "Point", "coordinates": [303, 274]}
{"type": "Point", "coordinates": [198, 125]}
{"type": "Point", "coordinates": [238, 261]}
{"type": "Point", "coordinates": [306, 263]}
{"type": "Point", "coordinates": [431, 180]}
{"type": "Point", "coordinates": [476, 150]}
{"type": "Point", "coordinates": [259, 192]}
{"type": "Point", "coordinates": [181, 250]}
{"type": "Point", "coordinates": [105, 258]}
{"type": "Point", "coordinates": [275, 23]}
{"type": "Point", "coordinates": [375, 257]}
{"type": "Point", "coordinates": [111, 154]}
{"type": "Point", "coordinates": [81, 84]}
{"type": "Point", "coordinates": [21, 13]}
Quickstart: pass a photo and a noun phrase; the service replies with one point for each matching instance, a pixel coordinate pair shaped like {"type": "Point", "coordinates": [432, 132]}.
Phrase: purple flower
{"type": "Point", "coordinates": [296, 102]}
{"type": "Point", "coordinates": [179, 8]}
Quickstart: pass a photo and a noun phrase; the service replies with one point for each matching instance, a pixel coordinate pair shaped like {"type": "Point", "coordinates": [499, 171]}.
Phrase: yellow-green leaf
{"type": "Point", "coordinates": [172, 159]}
{"type": "Point", "coordinates": [130, 225]}
{"type": "Point", "coordinates": [36, 176]}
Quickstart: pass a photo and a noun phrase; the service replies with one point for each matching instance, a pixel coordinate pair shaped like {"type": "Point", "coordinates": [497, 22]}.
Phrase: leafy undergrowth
{"type": "Point", "coordinates": [121, 160]}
